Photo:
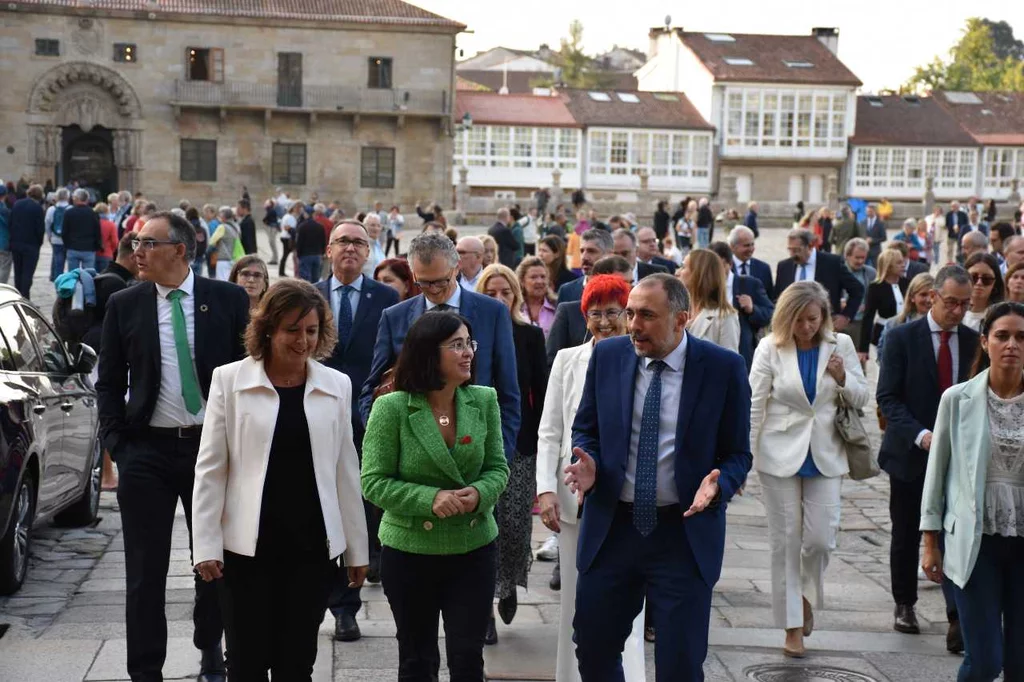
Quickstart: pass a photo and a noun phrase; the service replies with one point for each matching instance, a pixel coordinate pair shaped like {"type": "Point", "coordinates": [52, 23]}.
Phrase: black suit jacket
{"type": "Point", "coordinates": [762, 271]}
{"type": "Point", "coordinates": [670, 266]}
{"type": "Point", "coordinates": [130, 350]}
{"type": "Point", "coordinates": [830, 272]}
{"type": "Point", "coordinates": [355, 358]}
{"type": "Point", "coordinates": [879, 300]}
{"type": "Point", "coordinates": [247, 233]}
{"type": "Point", "coordinates": [568, 329]}
{"type": "Point", "coordinates": [908, 393]}
{"type": "Point", "coordinates": [642, 270]}
{"type": "Point", "coordinates": [914, 268]}
{"type": "Point", "coordinates": [508, 247]}
{"type": "Point", "coordinates": [954, 220]}
{"type": "Point", "coordinates": [760, 316]}
{"type": "Point", "coordinates": [532, 376]}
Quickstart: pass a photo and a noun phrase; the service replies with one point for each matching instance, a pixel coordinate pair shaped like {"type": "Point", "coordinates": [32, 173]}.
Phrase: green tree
{"type": "Point", "coordinates": [576, 68]}
{"type": "Point", "coordinates": [987, 57]}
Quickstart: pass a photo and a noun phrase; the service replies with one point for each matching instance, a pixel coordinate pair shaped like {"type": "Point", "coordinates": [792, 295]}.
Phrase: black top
{"type": "Point", "coordinates": [310, 239]}
{"type": "Point", "coordinates": [532, 375]}
{"type": "Point", "coordinates": [291, 519]}
{"type": "Point", "coordinates": [880, 301]}
{"type": "Point", "coordinates": [247, 231]}
{"type": "Point", "coordinates": [81, 229]}
{"type": "Point", "coordinates": [661, 219]}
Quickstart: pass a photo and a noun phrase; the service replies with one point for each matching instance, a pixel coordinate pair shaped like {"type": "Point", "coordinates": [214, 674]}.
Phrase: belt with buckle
{"type": "Point", "coordinates": [179, 432]}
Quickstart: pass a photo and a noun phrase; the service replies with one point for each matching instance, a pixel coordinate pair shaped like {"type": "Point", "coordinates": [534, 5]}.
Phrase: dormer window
{"type": "Point", "coordinates": [720, 37]}
{"type": "Point", "coordinates": [798, 63]}
{"type": "Point", "coordinates": [738, 61]}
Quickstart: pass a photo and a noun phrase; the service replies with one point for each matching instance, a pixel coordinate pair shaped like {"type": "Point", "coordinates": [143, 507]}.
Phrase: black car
{"type": "Point", "coordinates": [50, 457]}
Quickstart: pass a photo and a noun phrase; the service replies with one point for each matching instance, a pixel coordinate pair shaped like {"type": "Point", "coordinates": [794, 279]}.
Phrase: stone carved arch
{"type": "Point", "coordinates": [60, 86]}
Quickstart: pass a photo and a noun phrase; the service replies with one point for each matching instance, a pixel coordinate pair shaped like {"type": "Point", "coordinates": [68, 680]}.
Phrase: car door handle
{"type": "Point", "coordinates": [39, 409]}
{"type": "Point", "coordinates": [68, 406]}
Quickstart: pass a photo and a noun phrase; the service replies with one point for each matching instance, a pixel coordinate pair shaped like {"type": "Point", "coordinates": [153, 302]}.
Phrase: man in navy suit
{"type": "Point", "coordinates": [661, 444]}
{"type": "Point", "coordinates": [647, 250]}
{"type": "Point", "coordinates": [748, 297]}
{"type": "Point", "coordinates": [434, 263]}
{"type": "Point", "coordinates": [806, 263]}
{"type": "Point", "coordinates": [741, 241]}
{"type": "Point", "coordinates": [956, 218]}
{"type": "Point", "coordinates": [357, 303]}
{"type": "Point", "coordinates": [595, 244]}
{"type": "Point", "coordinates": [920, 360]}
{"type": "Point", "coordinates": [569, 328]}
{"type": "Point", "coordinates": [874, 228]}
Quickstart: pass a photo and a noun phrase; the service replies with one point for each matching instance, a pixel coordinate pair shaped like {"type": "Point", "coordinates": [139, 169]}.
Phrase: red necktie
{"type": "Point", "coordinates": [945, 362]}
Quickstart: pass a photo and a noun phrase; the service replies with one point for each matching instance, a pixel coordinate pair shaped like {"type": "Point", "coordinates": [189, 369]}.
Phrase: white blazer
{"type": "Point", "coordinates": [783, 425]}
{"type": "Point", "coordinates": [554, 442]}
{"type": "Point", "coordinates": [234, 452]}
{"type": "Point", "coordinates": [719, 328]}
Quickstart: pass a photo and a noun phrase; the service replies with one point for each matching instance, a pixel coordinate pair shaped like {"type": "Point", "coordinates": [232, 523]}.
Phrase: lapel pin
{"type": "Point", "coordinates": [204, 308]}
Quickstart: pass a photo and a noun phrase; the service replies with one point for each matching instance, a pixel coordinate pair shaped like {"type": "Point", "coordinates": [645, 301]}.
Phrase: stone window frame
{"type": "Point", "coordinates": [215, 67]}
{"type": "Point", "coordinates": [370, 174]}
{"type": "Point", "coordinates": [47, 47]}
{"type": "Point", "coordinates": [380, 73]}
{"type": "Point", "coordinates": [126, 53]}
{"type": "Point", "coordinates": [205, 169]}
{"type": "Point", "coordinates": [285, 154]}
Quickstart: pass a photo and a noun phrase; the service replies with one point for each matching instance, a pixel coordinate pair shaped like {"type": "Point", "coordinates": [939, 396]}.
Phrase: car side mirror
{"type": "Point", "coordinates": [83, 359]}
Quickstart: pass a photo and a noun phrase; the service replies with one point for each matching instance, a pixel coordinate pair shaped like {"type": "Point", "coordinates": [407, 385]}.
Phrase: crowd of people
{"type": "Point", "coordinates": [396, 419]}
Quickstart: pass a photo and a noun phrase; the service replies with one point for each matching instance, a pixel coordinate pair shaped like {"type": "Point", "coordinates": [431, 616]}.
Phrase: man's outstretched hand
{"type": "Point", "coordinates": [705, 494]}
{"type": "Point", "coordinates": [581, 474]}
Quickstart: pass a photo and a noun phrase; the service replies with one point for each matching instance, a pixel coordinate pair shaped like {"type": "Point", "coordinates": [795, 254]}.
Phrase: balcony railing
{"type": "Point", "coordinates": [236, 94]}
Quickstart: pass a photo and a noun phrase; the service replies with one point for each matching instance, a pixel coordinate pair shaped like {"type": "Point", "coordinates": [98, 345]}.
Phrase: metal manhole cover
{"type": "Point", "coordinates": [777, 672]}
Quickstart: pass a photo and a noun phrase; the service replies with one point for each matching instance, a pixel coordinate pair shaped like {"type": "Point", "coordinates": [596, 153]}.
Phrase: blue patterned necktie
{"type": "Point", "coordinates": [803, 272]}
{"type": "Point", "coordinates": [645, 486]}
{"type": "Point", "coordinates": [345, 316]}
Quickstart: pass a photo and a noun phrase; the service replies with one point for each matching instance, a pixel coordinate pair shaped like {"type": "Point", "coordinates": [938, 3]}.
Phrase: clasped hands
{"type": "Point", "coordinates": [581, 476]}
{"type": "Point", "coordinates": [449, 503]}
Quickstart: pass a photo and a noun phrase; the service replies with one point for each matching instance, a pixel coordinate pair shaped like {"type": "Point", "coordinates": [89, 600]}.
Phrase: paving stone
{"type": "Point", "coordinates": [46, 660]}
{"type": "Point", "coordinates": [182, 660]}
{"type": "Point", "coordinates": [914, 666]}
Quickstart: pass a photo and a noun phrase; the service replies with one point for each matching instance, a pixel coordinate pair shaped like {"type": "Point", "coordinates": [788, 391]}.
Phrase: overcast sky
{"type": "Point", "coordinates": [879, 40]}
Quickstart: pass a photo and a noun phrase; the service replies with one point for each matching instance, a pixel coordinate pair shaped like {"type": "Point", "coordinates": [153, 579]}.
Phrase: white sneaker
{"type": "Point", "coordinates": [549, 550]}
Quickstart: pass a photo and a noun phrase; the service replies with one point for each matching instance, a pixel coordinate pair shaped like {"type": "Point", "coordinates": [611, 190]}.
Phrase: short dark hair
{"type": "Point", "coordinates": [124, 246]}
{"type": "Point", "coordinates": [1005, 231]}
{"type": "Point", "coordinates": [610, 265]}
{"type": "Point", "coordinates": [721, 250]}
{"type": "Point", "coordinates": [245, 203]}
{"type": "Point", "coordinates": [179, 230]}
{"type": "Point", "coordinates": [418, 367]}
{"type": "Point", "coordinates": [283, 297]}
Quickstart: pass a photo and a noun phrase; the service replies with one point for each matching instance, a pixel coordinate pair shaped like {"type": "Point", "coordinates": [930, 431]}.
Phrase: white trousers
{"type": "Point", "coordinates": [803, 520]}
{"type": "Point", "coordinates": [566, 669]}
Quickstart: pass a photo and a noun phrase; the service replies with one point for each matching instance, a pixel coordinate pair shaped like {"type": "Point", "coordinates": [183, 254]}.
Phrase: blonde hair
{"type": "Point", "coordinates": [886, 259]}
{"type": "Point", "coordinates": [921, 282]}
{"type": "Point", "coordinates": [791, 303]}
{"type": "Point", "coordinates": [707, 281]}
{"type": "Point", "coordinates": [488, 239]}
{"type": "Point", "coordinates": [533, 262]}
{"type": "Point", "coordinates": [499, 270]}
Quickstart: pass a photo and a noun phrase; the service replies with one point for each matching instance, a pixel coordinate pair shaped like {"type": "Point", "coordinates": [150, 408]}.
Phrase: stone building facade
{"type": "Point", "coordinates": [196, 98]}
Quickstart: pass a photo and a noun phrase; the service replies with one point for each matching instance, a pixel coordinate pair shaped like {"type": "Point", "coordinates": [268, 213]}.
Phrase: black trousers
{"type": "Point", "coordinates": [344, 599]}
{"type": "Point", "coordinates": [272, 613]}
{"type": "Point", "coordinates": [154, 473]}
{"type": "Point", "coordinates": [24, 261]}
{"type": "Point", "coordinates": [286, 250]}
{"type": "Point", "coordinates": [421, 587]}
{"type": "Point", "coordinates": [905, 549]}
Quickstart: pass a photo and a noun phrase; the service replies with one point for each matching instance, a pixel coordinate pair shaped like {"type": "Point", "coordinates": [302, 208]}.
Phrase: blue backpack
{"type": "Point", "coordinates": [58, 220]}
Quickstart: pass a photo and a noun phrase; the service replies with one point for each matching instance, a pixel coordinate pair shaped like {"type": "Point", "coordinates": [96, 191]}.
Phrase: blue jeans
{"type": "Point", "coordinates": [101, 264]}
{"type": "Point", "coordinates": [57, 262]}
{"type": "Point", "coordinates": [703, 237]}
{"type": "Point", "coordinates": [309, 268]}
{"type": "Point", "coordinates": [84, 259]}
{"type": "Point", "coordinates": [991, 608]}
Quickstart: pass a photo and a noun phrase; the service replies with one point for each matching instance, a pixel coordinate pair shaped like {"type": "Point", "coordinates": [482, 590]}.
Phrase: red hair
{"type": "Point", "coordinates": [400, 267]}
{"type": "Point", "coordinates": [605, 289]}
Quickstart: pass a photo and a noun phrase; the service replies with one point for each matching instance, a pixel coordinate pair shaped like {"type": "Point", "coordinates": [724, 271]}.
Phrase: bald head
{"type": "Point", "coordinates": [646, 244]}
{"type": "Point", "coordinates": [471, 256]}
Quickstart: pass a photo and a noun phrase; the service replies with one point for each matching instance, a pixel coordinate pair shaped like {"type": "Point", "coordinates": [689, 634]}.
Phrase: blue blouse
{"type": "Point", "coordinates": [808, 362]}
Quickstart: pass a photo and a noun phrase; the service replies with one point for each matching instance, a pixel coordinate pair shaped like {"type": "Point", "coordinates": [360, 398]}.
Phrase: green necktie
{"type": "Point", "coordinates": [189, 384]}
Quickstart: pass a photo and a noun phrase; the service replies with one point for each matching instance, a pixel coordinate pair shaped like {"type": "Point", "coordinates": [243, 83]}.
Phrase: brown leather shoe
{"type": "Point", "coordinates": [906, 620]}
{"type": "Point", "coordinates": [954, 638]}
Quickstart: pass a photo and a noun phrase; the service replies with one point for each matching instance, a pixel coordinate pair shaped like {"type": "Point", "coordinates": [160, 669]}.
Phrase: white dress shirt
{"type": "Point", "coordinates": [954, 349]}
{"type": "Point", "coordinates": [728, 286]}
{"type": "Point", "coordinates": [170, 410]}
{"type": "Point", "coordinates": [353, 296]}
{"type": "Point", "coordinates": [671, 395]}
{"type": "Point", "coordinates": [469, 283]}
{"type": "Point", "coordinates": [812, 261]}
{"type": "Point", "coordinates": [453, 301]}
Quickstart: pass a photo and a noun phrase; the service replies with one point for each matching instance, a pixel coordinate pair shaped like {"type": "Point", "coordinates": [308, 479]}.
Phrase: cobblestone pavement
{"type": "Point", "coordinates": [67, 623]}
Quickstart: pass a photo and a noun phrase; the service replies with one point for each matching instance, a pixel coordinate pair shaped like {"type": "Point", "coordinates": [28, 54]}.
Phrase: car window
{"type": "Point", "coordinates": [54, 358]}
{"type": "Point", "coordinates": [20, 354]}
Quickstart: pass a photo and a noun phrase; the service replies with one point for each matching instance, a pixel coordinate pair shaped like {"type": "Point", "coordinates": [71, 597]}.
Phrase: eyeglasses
{"type": "Point", "coordinates": [610, 315]}
{"type": "Point", "coordinates": [459, 347]}
{"type": "Point", "coordinates": [342, 242]}
{"type": "Point", "coordinates": [435, 283]}
{"type": "Point", "coordinates": [986, 280]}
{"type": "Point", "coordinates": [150, 244]}
{"type": "Point", "coordinates": [246, 274]}
{"type": "Point", "coordinates": [955, 303]}
{"type": "Point", "coordinates": [469, 253]}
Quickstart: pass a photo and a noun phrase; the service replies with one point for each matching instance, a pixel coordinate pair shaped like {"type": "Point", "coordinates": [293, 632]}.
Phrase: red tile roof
{"type": "Point", "coordinates": [519, 82]}
{"type": "Point", "coordinates": [769, 54]}
{"type": "Point", "coordinates": [994, 118]}
{"type": "Point", "coordinates": [354, 11]}
{"type": "Point", "coordinates": [652, 110]}
{"type": "Point", "coordinates": [513, 110]}
{"type": "Point", "coordinates": [907, 121]}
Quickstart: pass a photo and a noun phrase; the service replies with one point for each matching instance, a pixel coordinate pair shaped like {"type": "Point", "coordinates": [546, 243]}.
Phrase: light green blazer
{"type": "Point", "coordinates": [406, 462]}
{"type": "Point", "coordinates": [954, 483]}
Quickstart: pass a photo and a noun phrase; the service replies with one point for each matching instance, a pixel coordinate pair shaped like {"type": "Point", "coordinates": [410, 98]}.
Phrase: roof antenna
{"type": "Point", "coordinates": [668, 21]}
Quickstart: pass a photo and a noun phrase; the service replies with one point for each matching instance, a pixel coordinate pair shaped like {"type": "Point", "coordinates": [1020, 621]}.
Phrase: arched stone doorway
{"type": "Point", "coordinates": [85, 124]}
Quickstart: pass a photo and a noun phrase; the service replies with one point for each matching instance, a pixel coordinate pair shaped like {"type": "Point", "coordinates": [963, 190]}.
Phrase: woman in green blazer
{"type": "Point", "coordinates": [433, 460]}
{"type": "Point", "coordinates": [974, 495]}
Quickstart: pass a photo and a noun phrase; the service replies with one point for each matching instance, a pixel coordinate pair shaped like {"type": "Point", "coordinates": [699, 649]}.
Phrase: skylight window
{"type": "Point", "coordinates": [627, 97]}
{"type": "Point", "coordinates": [665, 97]}
{"type": "Point", "coordinates": [986, 112]}
{"type": "Point", "coordinates": [798, 63]}
{"type": "Point", "coordinates": [962, 98]}
{"type": "Point", "coordinates": [599, 96]}
{"type": "Point", "coordinates": [874, 100]}
{"type": "Point", "coordinates": [912, 100]}
{"type": "Point", "coordinates": [738, 61]}
{"type": "Point", "coordinates": [720, 37]}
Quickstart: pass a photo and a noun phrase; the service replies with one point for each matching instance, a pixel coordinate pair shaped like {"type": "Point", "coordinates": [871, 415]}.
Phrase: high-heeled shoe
{"type": "Point", "coordinates": [507, 607]}
{"type": "Point", "coordinates": [808, 618]}
{"type": "Point", "coordinates": [795, 649]}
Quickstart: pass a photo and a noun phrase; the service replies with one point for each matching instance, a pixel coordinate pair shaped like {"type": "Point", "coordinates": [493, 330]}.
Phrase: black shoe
{"type": "Point", "coordinates": [346, 629]}
{"type": "Point", "coordinates": [507, 608]}
{"type": "Point", "coordinates": [373, 572]}
{"type": "Point", "coordinates": [491, 636]}
{"type": "Point", "coordinates": [954, 638]}
{"type": "Point", "coordinates": [211, 666]}
{"type": "Point", "coordinates": [649, 633]}
{"type": "Point", "coordinates": [556, 577]}
{"type": "Point", "coordinates": [906, 620]}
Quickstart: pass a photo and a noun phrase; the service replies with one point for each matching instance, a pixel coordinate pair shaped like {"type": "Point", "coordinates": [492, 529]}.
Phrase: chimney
{"type": "Point", "coordinates": [829, 37]}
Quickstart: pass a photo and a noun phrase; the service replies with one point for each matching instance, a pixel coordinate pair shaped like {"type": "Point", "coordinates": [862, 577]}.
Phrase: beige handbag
{"type": "Point", "coordinates": [859, 452]}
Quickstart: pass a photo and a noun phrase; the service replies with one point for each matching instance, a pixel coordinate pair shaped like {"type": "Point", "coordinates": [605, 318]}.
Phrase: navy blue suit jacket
{"type": "Point", "coordinates": [762, 271]}
{"type": "Point", "coordinates": [495, 355]}
{"type": "Point", "coordinates": [759, 317]}
{"type": "Point", "coordinates": [571, 291]}
{"type": "Point", "coordinates": [713, 432]}
{"type": "Point", "coordinates": [355, 358]}
{"type": "Point", "coordinates": [908, 393]}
